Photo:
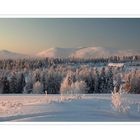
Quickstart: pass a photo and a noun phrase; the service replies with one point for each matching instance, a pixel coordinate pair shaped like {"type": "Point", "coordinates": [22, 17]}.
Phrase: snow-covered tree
{"type": "Point", "coordinates": [134, 84]}
{"type": "Point", "coordinates": [64, 75]}
{"type": "Point", "coordinates": [109, 77]}
{"type": "Point", "coordinates": [20, 82]}
{"type": "Point", "coordinates": [66, 85]}
{"type": "Point", "coordinates": [117, 81]}
{"type": "Point", "coordinates": [69, 86]}
{"type": "Point", "coordinates": [1, 85]}
{"type": "Point", "coordinates": [13, 83]}
{"type": "Point", "coordinates": [28, 83]}
{"type": "Point", "coordinates": [5, 85]}
{"type": "Point", "coordinates": [96, 81]}
{"type": "Point", "coordinates": [53, 82]}
{"type": "Point", "coordinates": [103, 81]}
{"type": "Point", "coordinates": [79, 87]}
{"type": "Point", "coordinates": [37, 88]}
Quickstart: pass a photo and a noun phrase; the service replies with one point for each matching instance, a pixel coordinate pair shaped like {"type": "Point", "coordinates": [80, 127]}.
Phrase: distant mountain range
{"type": "Point", "coordinates": [4, 54]}
{"type": "Point", "coordinates": [57, 52]}
{"type": "Point", "coordinates": [87, 52]}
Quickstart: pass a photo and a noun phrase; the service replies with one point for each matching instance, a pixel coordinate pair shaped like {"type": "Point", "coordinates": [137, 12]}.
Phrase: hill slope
{"type": "Point", "coordinates": [87, 52]}
{"type": "Point", "coordinates": [4, 54]}
{"type": "Point", "coordinates": [57, 52]}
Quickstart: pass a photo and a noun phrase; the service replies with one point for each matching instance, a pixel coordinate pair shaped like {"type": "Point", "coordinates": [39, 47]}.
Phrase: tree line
{"type": "Point", "coordinates": [52, 77]}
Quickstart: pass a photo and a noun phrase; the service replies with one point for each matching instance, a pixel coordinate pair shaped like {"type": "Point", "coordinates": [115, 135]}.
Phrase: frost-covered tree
{"type": "Point", "coordinates": [5, 85]}
{"type": "Point", "coordinates": [96, 81]}
{"type": "Point", "coordinates": [20, 82]}
{"type": "Point", "coordinates": [103, 81]}
{"type": "Point", "coordinates": [134, 85]}
{"type": "Point", "coordinates": [79, 87]}
{"type": "Point", "coordinates": [62, 74]}
{"type": "Point", "coordinates": [127, 87]}
{"type": "Point", "coordinates": [37, 88]}
{"type": "Point", "coordinates": [117, 81]}
{"type": "Point", "coordinates": [13, 83]}
{"type": "Point", "coordinates": [28, 83]}
{"type": "Point", "coordinates": [43, 80]}
{"type": "Point", "coordinates": [1, 85]}
{"type": "Point", "coordinates": [66, 85]}
{"type": "Point", "coordinates": [109, 77]}
{"type": "Point", "coordinates": [53, 83]}
{"type": "Point", "coordinates": [69, 86]}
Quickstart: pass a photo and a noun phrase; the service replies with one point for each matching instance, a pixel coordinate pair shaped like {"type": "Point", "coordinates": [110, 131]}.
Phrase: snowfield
{"type": "Point", "coordinates": [70, 108]}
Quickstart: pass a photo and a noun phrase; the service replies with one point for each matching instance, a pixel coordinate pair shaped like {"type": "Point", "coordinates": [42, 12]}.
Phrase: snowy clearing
{"type": "Point", "coordinates": [69, 108]}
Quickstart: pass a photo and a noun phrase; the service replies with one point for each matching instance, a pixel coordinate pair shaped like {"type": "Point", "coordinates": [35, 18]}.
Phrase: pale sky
{"type": "Point", "coordinates": [30, 36]}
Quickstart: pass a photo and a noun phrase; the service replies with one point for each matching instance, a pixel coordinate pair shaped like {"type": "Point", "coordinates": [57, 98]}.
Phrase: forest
{"type": "Point", "coordinates": [69, 75]}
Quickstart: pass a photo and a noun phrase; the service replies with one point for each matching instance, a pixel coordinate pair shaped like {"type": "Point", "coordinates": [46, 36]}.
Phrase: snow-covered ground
{"type": "Point", "coordinates": [69, 108]}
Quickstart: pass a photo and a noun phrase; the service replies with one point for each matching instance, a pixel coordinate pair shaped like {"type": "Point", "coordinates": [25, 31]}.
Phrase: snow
{"type": "Point", "coordinates": [85, 52]}
{"type": "Point", "coordinates": [89, 52]}
{"type": "Point", "coordinates": [116, 65]}
{"type": "Point", "coordinates": [56, 52]}
{"type": "Point", "coordinates": [69, 108]}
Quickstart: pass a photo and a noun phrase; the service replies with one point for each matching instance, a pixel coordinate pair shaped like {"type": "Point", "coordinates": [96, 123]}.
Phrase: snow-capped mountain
{"type": "Point", "coordinates": [89, 52]}
{"type": "Point", "coordinates": [57, 52]}
{"type": "Point", "coordinates": [86, 52]}
{"type": "Point", "coordinates": [4, 54]}
{"type": "Point", "coordinates": [96, 52]}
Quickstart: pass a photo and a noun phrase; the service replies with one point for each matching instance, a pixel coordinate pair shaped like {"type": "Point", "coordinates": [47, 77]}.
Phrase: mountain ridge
{"type": "Point", "coordinates": [6, 54]}
{"type": "Point", "coordinates": [83, 52]}
{"type": "Point", "coordinates": [86, 52]}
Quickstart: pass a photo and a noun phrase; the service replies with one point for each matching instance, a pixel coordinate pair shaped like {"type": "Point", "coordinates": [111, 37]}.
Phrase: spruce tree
{"type": "Point", "coordinates": [13, 84]}
{"type": "Point", "coordinates": [5, 85]}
